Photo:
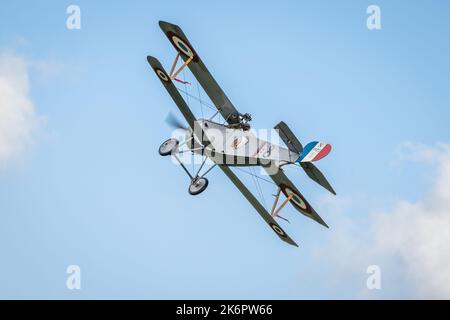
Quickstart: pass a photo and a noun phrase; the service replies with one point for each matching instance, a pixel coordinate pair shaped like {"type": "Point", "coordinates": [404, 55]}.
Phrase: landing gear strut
{"type": "Point", "coordinates": [198, 181]}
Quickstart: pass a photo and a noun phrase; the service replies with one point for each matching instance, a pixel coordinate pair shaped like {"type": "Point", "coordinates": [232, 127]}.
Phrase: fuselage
{"type": "Point", "coordinates": [236, 146]}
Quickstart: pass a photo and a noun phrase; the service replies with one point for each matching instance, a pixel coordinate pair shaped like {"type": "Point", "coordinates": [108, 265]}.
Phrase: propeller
{"type": "Point", "coordinates": [174, 122]}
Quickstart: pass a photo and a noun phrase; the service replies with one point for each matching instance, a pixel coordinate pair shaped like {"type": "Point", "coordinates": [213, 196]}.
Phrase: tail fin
{"type": "Point", "coordinates": [314, 151]}
{"type": "Point", "coordinates": [296, 148]}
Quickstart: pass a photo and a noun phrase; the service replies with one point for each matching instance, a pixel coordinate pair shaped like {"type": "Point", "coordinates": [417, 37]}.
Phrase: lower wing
{"type": "Point", "coordinates": [297, 199]}
{"type": "Point", "coordinates": [257, 205]}
{"type": "Point", "coordinates": [172, 90]}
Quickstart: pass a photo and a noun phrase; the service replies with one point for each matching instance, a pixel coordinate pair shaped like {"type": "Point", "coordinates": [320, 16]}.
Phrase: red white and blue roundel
{"type": "Point", "coordinates": [296, 199]}
{"type": "Point", "coordinates": [314, 151]}
{"type": "Point", "coordinates": [162, 75]}
{"type": "Point", "coordinates": [182, 46]}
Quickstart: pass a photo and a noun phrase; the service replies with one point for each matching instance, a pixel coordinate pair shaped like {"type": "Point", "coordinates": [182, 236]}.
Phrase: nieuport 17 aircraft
{"type": "Point", "coordinates": [232, 143]}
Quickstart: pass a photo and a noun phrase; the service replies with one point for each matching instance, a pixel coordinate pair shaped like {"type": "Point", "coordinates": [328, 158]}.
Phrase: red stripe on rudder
{"type": "Point", "coordinates": [323, 153]}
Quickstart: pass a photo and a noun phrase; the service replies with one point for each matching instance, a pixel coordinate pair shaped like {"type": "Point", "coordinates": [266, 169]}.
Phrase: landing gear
{"type": "Point", "coordinates": [198, 185]}
{"type": "Point", "coordinates": [198, 181]}
{"type": "Point", "coordinates": [168, 147]}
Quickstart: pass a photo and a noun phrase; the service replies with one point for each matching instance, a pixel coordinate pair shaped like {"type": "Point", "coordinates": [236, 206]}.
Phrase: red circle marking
{"type": "Point", "coordinates": [162, 75]}
{"type": "Point", "coordinates": [171, 34]}
{"type": "Point", "coordinates": [307, 208]}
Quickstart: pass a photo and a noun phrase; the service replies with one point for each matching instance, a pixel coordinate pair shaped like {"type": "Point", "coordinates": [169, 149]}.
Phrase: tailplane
{"type": "Point", "coordinates": [313, 151]}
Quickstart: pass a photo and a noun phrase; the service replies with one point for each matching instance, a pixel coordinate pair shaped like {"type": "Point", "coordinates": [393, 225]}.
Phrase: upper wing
{"type": "Point", "coordinates": [255, 203]}
{"type": "Point", "coordinates": [204, 77]}
{"type": "Point", "coordinates": [168, 84]}
{"type": "Point", "coordinates": [297, 200]}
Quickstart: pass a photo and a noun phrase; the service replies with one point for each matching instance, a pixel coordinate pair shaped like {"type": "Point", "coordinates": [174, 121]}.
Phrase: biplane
{"type": "Point", "coordinates": [233, 143]}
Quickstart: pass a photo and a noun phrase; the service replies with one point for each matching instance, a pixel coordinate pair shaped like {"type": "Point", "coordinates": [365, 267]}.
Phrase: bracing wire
{"type": "Point", "coordinates": [200, 99]}
{"type": "Point", "coordinates": [188, 103]}
{"type": "Point", "coordinates": [186, 88]}
{"type": "Point", "coordinates": [206, 104]}
{"type": "Point", "coordinates": [255, 179]}
{"type": "Point", "coordinates": [258, 187]}
{"type": "Point", "coordinates": [256, 176]}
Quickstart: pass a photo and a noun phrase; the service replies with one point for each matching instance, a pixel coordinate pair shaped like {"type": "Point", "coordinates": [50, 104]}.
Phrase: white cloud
{"type": "Point", "coordinates": [419, 232]}
{"type": "Point", "coordinates": [18, 117]}
{"type": "Point", "coordinates": [410, 151]}
{"type": "Point", "coordinates": [48, 69]}
{"type": "Point", "coordinates": [409, 240]}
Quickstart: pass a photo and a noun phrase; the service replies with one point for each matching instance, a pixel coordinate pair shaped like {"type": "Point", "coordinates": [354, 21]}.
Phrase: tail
{"type": "Point", "coordinates": [313, 151]}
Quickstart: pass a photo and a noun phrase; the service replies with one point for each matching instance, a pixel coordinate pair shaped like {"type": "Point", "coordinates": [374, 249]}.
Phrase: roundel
{"type": "Point", "coordinates": [278, 230]}
{"type": "Point", "coordinates": [182, 46]}
{"type": "Point", "coordinates": [162, 75]}
{"type": "Point", "coordinates": [296, 199]}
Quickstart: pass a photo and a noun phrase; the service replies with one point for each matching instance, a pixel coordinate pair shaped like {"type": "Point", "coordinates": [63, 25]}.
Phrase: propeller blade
{"type": "Point", "coordinates": [174, 122]}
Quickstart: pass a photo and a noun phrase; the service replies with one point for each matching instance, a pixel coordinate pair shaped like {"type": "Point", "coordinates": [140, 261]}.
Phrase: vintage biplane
{"type": "Point", "coordinates": [232, 143]}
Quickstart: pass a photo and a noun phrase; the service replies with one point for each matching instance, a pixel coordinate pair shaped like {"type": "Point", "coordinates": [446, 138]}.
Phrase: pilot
{"type": "Point", "coordinates": [243, 123]}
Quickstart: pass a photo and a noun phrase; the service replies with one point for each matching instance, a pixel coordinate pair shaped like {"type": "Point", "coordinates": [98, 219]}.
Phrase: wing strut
{"type": "Point", "coordinates": [275, 211]}
{"type": "Point", "coordinates": [173, 75]}
{"type": "Point", "coordinates": [179, 40]}
{"type": "Point", "coordinates": [258, 207]}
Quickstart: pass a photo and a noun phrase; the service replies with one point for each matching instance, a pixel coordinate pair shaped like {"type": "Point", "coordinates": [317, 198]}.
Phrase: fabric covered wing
{"type": "Point", "coordinates": [174, 93]}
{"type": "Point", "coordinates": [204, 77]}
{"type": "Point", "coordinates": [298, 201]}
{"type": "Point", "coordinates": [259, 208]}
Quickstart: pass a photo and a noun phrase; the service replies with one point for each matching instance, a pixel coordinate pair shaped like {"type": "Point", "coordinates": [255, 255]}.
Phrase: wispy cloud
{"type": "Point", "coordinates": [408, 239]}
{"type": "Point", "coordinates": [48, 69]}
{"type": "Point", "coordinates": [418, 232]}
{"type": "Point", "coordinates": [18, 117]}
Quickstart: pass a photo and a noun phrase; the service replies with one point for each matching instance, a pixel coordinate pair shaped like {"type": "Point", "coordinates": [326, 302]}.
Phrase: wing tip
{"type": "Point", "coordinates": [322, 222]}
{"type": "Point", "coordinates": [315, 216]}
{"type": "Point", "coordinates": [165, 25]}
{"type": "Point", "coordinates": [289, 240]}
{"type": "Point", "coordinates": [151, 59]}
{"type": "Point", "coordinates": [162, 23]}
{"type": "Point", "coordinates": [332, 191]}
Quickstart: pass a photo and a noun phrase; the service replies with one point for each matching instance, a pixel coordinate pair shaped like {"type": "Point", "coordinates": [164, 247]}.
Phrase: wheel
{"type": "Point", "coordinates": [198, 186]}
{"type": "Point", "coordinates": [168, 147]}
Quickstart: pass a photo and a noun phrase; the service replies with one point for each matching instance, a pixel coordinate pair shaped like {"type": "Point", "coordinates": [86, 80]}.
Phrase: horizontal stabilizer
{"type": "Point", "coordinates": [289, 138]}
{"type": "Point", "coordinates": [314, 173]}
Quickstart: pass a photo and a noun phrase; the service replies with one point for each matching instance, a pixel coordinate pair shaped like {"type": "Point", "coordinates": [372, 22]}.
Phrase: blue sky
{"type": "Point", "coordinates": [90, 189]}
